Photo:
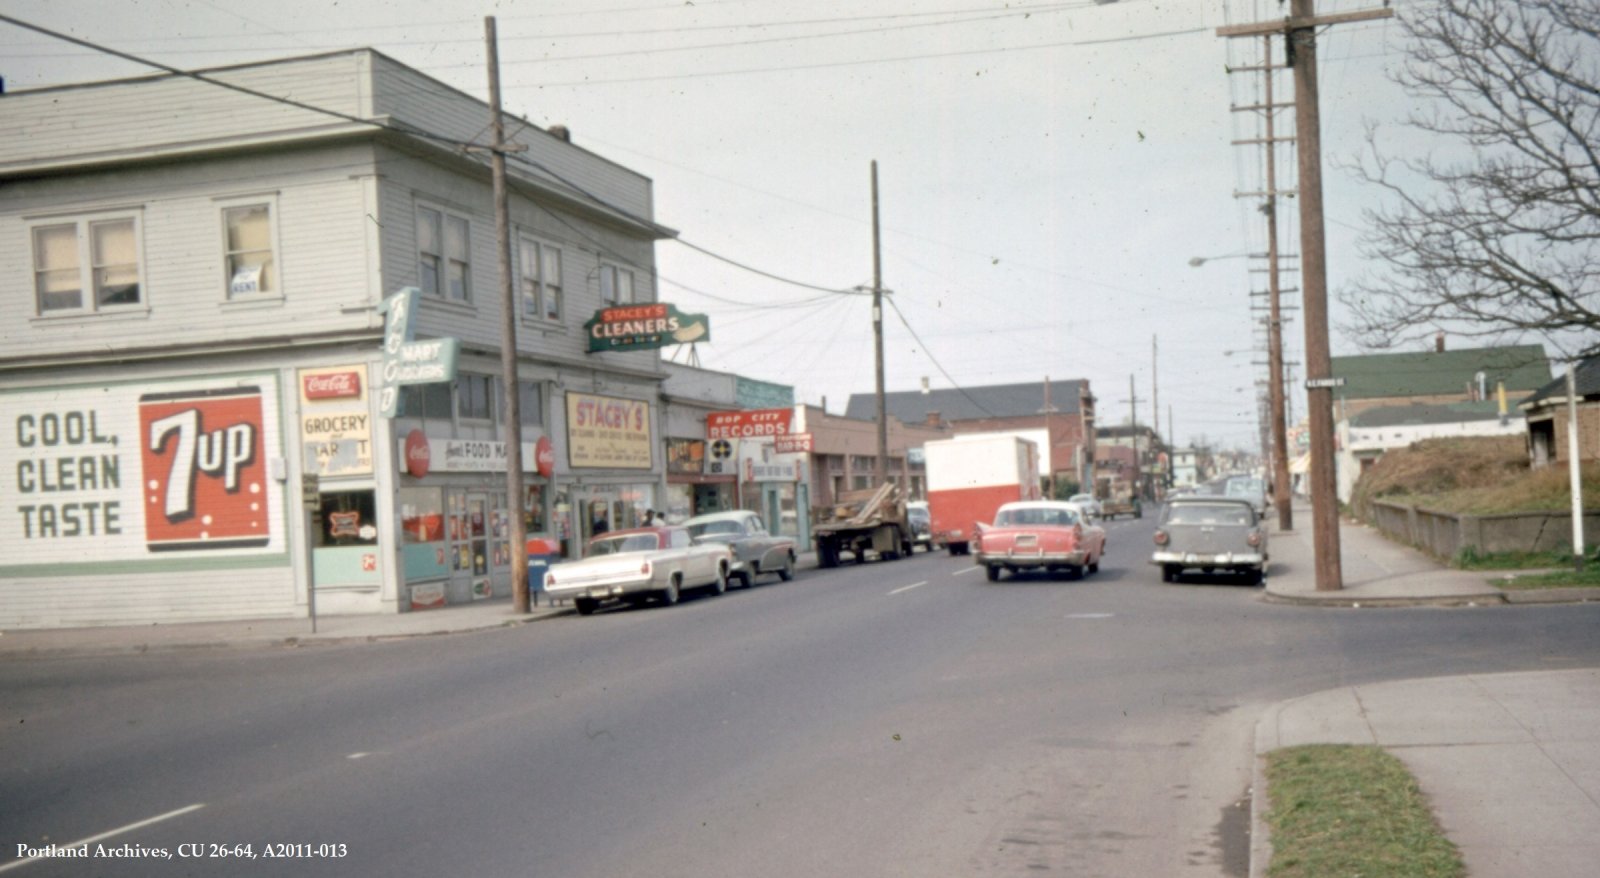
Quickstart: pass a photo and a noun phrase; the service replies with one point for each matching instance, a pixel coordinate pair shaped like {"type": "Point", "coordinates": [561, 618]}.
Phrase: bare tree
{"type": "Point", "coordinates": [1495, 229]}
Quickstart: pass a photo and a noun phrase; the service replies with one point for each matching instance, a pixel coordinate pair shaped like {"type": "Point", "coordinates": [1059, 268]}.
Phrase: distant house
{"type": "Point", "coordinates": [1063, 409]}
{"type": "Point", "coordinates": [1438, 376]}
{"type": "Point", "coordinates": [1546, 412]}
{"type": "Point", "coordinates": [1365, 436]}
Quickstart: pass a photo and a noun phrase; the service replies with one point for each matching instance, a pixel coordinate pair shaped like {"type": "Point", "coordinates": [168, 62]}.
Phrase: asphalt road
{"type": "Point", "coordinates": [901, 718]}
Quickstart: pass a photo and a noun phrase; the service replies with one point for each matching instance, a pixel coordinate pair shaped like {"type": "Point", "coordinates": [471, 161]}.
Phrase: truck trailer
{"type": "Point", "coordinates": [969, 477]}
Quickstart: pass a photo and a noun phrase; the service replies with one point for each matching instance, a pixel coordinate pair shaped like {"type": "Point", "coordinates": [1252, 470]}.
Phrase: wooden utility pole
{"type": "Point", "coordinates": [877, 333]}
{"type": "Point", "coordinates": [1280, 430]}
{"type": "Point", "coordinates": [1300, 32]}
{"type": "Point", "coordinates": [1133, 414]}
{"type": "Point", "coordinates": [508, 337]}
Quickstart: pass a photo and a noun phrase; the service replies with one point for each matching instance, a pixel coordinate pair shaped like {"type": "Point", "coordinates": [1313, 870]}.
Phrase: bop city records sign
{"type": "Point", "coordinates": [406, 361]}
{"type": "Point", "coordinates": [644, 327]}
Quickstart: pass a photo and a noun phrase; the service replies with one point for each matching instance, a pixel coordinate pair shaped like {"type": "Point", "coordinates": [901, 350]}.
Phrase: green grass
{"type": "Point", "coordinates": [1469, 559]}
{"type": "Point", "coordinates": [1340, 810]}
{"type": "Point", "coordinates": [1589, 578]}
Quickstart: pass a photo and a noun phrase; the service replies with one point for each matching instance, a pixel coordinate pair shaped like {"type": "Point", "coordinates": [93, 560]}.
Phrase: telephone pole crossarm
{"type": "Point", "coordinates": [1292, 23]}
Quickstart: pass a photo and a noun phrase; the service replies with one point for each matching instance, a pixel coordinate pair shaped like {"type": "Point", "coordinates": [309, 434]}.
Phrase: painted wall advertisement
{"type": "Point", "coordinates": [607, 432]}
{"type": "Point", "coordinates": [335, 421]}
{"type": "Point", "coordinates": [140, 471]}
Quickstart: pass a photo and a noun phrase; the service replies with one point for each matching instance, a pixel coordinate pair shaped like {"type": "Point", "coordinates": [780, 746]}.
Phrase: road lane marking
{"type": "Point", "coordinates": [105, 835]}
{"type": "Point", "coordinates": [972, 569]}
{"type": "Point", "coordinates": [1090, 615]}
{"type": "Point", "coordinates": [906, 588]}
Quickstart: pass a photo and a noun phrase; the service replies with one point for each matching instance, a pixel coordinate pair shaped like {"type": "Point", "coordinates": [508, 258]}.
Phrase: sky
{"type": "Point", "coordinates": [1047, 171]}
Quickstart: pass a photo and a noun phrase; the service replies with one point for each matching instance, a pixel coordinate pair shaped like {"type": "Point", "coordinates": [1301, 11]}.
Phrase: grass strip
{"type": "Point", "coordinates": [1589, 578]}
{"type": "Point", "coordinates": [1346, 810]}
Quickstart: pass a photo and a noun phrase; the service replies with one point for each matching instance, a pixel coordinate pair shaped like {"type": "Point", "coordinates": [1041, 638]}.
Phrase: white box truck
{"type": "Point", "coordinates": [969, 477]}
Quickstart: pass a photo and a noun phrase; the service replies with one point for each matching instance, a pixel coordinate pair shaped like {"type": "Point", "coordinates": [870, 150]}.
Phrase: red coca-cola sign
{"type": "Point", "coordinates": [544, 456]}
{"type": "Point", "coordinates": [418, 455]}
{"type": "Point", "coordinates": [332, 385]}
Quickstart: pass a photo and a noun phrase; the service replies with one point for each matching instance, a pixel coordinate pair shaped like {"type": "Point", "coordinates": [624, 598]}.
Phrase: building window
{"type": "Point", "coordinates": [474, 397]}
{"type": "Point", "coordinates": [248, 250]}
{"type": "Point", "coordinates": [444, 254]}
{"type": "Point", "coordinates": [616, 286]}
{"type": "Point", "coordinates": [530, 403]}
{"type": "Point", "coordinates": [541, 281]}
{"type": "Point", "coordinates": [101, 256]}
{"type": "Point", "coordinates": [425, 401]}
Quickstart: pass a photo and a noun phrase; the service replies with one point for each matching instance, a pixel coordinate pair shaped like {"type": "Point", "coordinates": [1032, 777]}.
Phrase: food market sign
{"type": "Point", "coordinates": [644, 327]}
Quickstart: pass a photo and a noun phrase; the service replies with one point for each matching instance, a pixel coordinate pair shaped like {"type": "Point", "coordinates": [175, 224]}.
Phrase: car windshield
{"type": "Point", "coordinates": [1209, 513]}
{"type": "Point", "coordinates": [710, 528]}
{"type": "Point", "coordinates": [622, 544]}
{"type": "Point", "coordinates": [1035, 515]}
{"type": "Point", "coordinates": [1244, 487]}
{"type": "Point", "coordinates": [1081, 498]}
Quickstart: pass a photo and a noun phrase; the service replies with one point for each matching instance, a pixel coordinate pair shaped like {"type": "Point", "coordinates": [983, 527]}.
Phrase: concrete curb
{"type": "Point", "coordinates": [1347, 601]}
{"type": "Point", "coordinates": [1260, 837]}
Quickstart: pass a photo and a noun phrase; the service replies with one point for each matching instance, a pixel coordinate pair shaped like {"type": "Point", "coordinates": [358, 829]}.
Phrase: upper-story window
{"type": "Point", "coordinates": [248, 250]}
{"type": "Point", "coordinates": [474, 397]}
{"type": "Point", "coordinates": [541, 280]}
{"type": "Point", "coordinates": [84, 266]}
{"type": "Point", "coordinates": [444, 254]}
{"type": "Point", "coordinates": [616, 286]}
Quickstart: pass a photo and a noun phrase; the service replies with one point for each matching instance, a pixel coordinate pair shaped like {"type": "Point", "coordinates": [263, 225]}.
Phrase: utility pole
{"type": "Point", "coordinates": [877, 333]}
{"type": "Point", "coordinates": [508, 338]}
{"type": "Point", "coordinates": [1155, 415]}
{"type": "Point", "coordinates": [1133, 414]}
{"type": "Point", "coordinates": [1300, 34]}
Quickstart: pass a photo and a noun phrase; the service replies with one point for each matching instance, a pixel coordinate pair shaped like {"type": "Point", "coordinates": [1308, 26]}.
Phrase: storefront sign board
{"type": "Point", "coordinates": [749, 424]}
{"type": "Point", "coordinates": [335, 421]}
{"type": "Point", "coordinates": [406, 361]}
{"type": "Point", "coordinates": [644, 327]}
{"type": "Point", "coordinates": [608, 432]}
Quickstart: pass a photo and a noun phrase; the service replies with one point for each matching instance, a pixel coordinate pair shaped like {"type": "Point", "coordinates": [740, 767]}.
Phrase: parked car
{"type": "Point", "coordinates": [1047, 535]}
{"type": "Point", "coordinates": [754, 550]}
{"type": "Point", "coordinates": [1088, 504]}
{"type": "Point", "coordinates": [1211, 533]}
{"type": "Point", "coordinates": [921, 524]}
{"type": "Point", "coordinates": [631, 565]}
{"type": "Point", "coordinates": [1250, 488]}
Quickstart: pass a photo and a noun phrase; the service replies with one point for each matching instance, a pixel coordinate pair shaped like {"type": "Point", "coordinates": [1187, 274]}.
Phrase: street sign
{"type": "Point", "coordinates": [1320, 383]}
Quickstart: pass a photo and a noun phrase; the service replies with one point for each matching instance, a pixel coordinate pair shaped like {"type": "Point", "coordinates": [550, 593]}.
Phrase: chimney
{"type": "Point", "coordinates": [560, 131]}
{"type": "Point", "coordinates": [1438, 342]}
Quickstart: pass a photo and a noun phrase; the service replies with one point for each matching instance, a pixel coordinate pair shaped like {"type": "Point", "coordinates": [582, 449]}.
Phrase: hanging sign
{"type": "Point", "coordinates": [644, 327]}
{"type": "Point", "coordinates": [406, 361]}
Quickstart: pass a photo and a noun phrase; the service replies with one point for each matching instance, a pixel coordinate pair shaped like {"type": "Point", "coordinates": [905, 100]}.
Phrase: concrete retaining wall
{"type": "Point", "coordinates": [1445, 534]}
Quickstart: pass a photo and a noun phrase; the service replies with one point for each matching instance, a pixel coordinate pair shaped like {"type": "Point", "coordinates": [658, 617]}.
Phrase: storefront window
{"type": "Point", "coordinates": [347, 519]}
{"type": "Point", "coordinates": [533, 518]}
{"type": "Point", "coordinates": [421, 515]}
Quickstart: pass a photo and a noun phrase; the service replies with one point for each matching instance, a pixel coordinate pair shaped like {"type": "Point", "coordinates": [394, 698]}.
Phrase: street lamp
{"type": "Point", "coordinates": [1197, 261]}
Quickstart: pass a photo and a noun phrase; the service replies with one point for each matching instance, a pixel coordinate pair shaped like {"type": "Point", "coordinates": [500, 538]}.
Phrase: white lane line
{"type": "Point", "coordinates": [907, 588]}
{"type": "Point", "coordinates": [105, 835]}
{"type": "Point", "coordinates": [972, 569]}
{"type": "Point", "coordinates": [1090, 615]}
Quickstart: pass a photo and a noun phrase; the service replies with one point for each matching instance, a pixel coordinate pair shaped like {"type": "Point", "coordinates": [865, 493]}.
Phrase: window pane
{"type": "Point", "coordinates": [249, 254]}
{"type": "Point", "coordinates": [528, 263]}
{"type": "Point", "coordinates": [459, 281]}
{"type": "Point", "coordinates": [428, 230]}
{"type": "Point", "coordinates": [116, 263]}
{"type": "Point", "coordinates": [530, 403]}
{"type": "Point", "coordinates": [57, 279]}
{"type": "Point", "coordinates": [608, 285]}
{"type": "Point", "coordinates": [430, 275]}
{"type": "Point", "coordinates": [552, 283]}
{"type": "Point", "coordinates": [455, 238]}
{"type": "Point", "coordinates": [624, 286]}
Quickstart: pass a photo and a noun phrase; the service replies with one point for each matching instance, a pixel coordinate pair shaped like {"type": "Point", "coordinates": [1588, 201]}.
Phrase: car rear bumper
{"type": "Point", "coordinates": [1199, 559]}
{"type": "Point", "coordinates": [1032, 559]}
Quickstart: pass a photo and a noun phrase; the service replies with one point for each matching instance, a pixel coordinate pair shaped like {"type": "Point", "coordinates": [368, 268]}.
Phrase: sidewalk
{"type": "Point", "coordinates": [1509, 762]}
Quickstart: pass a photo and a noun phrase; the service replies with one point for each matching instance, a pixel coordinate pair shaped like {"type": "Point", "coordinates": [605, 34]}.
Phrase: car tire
{"type": "Point", "coordinates": [1094, 566]}
{"type": "Point", "coordinates": [586, 606]}
{"type": "Point", "coordinates": [992, 571]}
{"type": "Point", "coordinates": [671, 593]}
{"type": "Point", "coordinates": [1169, 573]}
{"type": "Point", "coordinates": [786, 572]}
{"type": "Point", "coordinates": [720, 587]}
{"type": "Point", "coordinates": [747, 579]}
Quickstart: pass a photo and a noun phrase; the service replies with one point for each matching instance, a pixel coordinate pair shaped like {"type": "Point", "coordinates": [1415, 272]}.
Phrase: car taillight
{"type": "Point", "coordinates": [1255, 538]}
{"type": "Point", "coordinates": [644, 569]}
{"type": "Point", "coordinates": [1161, 538]}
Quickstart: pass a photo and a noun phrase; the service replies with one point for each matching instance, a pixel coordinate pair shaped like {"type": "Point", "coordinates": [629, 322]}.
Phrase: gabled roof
{"type": "Point", "coordinates": [1418, 414]}
{"type": "Point", "coordinates": [971, 403]}
{"type": "Point", "coordinates": [1587, 380]}
{"type": "Point", "coordinates": [1523, 368]}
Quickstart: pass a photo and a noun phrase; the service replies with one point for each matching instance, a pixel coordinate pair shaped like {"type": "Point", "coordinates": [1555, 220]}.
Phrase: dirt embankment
{"type": "Point", "coordinates": [1479, 476]}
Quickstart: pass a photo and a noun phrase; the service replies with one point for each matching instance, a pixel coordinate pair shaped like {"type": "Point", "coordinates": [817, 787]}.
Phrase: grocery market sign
{"type": "Point", "coordinates": [644, 327]}
{"type": "Point", "coordinates": [749, 424]}
{"type": "Point", "coordinates": [406, 361]}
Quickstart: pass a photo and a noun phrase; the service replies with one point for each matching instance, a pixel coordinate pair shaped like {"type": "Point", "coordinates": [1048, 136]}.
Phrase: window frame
{"type": "Point", "coordinates": [274, 263]}
{"type": "Point", "coordinates": [544, 297]}
{"type": "Point", "coordinates": [489, 385]}
{"type": "Point", "coordinates": [443, 262]}
{"type": "Point", "coordinates": [611, 276]}
{"type": "Point", "coordinates": [88, 270]}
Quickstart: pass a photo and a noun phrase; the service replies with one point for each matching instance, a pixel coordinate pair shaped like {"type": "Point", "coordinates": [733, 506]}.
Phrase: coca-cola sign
{"type": "Point", "coordinates": [332, 385]}
{"type": "Point", "coordinates": [418, 456]}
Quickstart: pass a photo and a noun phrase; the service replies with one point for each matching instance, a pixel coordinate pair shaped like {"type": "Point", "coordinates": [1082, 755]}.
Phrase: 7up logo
{"type": "Point", "coordinates": [204, 478]}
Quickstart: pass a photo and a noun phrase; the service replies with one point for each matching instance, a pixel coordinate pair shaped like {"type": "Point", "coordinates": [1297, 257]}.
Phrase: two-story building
{"type": "Point", "coordinates": [192, 284]}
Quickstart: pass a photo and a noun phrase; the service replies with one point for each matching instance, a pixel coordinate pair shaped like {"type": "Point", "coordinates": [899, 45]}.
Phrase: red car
{"type": "Point", "coordinates": [1039, 535]}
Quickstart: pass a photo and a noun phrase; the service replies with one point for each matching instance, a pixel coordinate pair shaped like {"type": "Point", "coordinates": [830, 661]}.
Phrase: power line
{"type": "Point", "coordinates": [935, 360]}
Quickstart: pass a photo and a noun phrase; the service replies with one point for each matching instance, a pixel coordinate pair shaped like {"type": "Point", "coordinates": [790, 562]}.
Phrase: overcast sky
{"type": "Point", "coordinates": [1046, 170]}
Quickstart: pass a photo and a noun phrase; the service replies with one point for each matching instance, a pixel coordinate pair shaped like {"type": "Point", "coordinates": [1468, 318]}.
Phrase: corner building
{"type": "Point", "coordinates": [190, 289]}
